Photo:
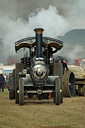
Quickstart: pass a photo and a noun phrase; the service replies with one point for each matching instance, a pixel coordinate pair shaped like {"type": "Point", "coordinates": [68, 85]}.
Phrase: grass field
{"type": "Point", "coordinates": [42, 113]}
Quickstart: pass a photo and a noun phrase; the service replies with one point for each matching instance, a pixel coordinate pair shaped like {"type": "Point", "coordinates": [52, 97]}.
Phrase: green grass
{"type": "Point", "coordinates": [5, 92]}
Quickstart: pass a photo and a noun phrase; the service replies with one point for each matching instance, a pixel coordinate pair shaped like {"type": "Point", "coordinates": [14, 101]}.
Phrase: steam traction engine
{"type": "Point", "coordinates": [38, 74]}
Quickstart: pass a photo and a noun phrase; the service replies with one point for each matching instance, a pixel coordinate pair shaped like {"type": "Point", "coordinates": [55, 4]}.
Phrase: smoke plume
{"type": "Point", "coordinates": [53, 24]}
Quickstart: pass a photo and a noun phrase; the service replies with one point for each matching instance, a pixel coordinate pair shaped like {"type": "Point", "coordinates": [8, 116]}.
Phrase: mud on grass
{"type": "Point", "coordinates": [42, 113]}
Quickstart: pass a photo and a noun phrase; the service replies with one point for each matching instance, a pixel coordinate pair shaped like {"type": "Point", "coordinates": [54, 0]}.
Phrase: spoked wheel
{"type": "Point", "coordinates": [57, 92]}
{"type": "Point", "coordinates": [21, 91]}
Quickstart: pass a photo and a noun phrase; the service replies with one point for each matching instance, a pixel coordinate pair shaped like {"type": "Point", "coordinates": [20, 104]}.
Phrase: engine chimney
{"type": "Point", "coordinates": [39, 32]}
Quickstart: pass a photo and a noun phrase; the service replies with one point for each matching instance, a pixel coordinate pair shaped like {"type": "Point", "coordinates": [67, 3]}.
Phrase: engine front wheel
{"type": "Point", "coordinates": [57, 71]}
{"type": "Point", "coordinates": [11, 94]}
{"type": "Point", "coordinates": [18, 68]}
{"type": "Point", "coordinates": [57, 92]}
{"type": "Point", "coordinates": [21, 91]}
{"type": "Point", "coordinates": [16, 96]}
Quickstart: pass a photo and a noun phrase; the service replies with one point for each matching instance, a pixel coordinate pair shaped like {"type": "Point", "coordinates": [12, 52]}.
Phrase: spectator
{"type": "Point", "coordinates": [64, 64]}
{"type": "Point", "coordinates": [2, 82]}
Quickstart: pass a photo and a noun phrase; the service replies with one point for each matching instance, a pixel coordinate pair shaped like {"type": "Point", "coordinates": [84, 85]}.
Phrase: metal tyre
{"type": "Point", "coordinates": [11, 94]}
{"type": "Point", "coordinates": [16, 97]}
{"type": "Point", "coordinates": [57, 92]}
{"type": "Point", "coordinates": [11, 88]}
{"type": "Point", "coordinates": [58, 71]}
{"type": "Point", "coordinates": [21, 91]}
{"type": "Point", "coordinates": [69, 84]}
{"type": "Point", "coordinates": [19, 67]}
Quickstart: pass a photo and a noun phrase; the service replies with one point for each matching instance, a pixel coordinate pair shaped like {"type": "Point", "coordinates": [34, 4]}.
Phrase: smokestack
{"type": "Point", "coordinates": [38, 32]}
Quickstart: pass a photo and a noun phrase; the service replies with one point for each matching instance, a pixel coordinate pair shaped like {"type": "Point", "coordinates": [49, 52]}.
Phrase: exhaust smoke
{"type": "Point", "coordinates": [53, 23]}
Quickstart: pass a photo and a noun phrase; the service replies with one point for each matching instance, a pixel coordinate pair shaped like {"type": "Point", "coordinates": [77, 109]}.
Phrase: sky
{"type": "Point", "coordinates": [72, 10]}
{"type": "Point", "coordinates": [18, 18]}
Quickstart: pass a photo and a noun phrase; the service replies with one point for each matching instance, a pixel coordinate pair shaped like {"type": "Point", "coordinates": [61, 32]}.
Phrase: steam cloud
{"type": "Point", "coordinates": [72, 51]}
{"type": "Point", "coordinates": [76, 52]}
{"type": "Point", "coordinates": [53, 23]}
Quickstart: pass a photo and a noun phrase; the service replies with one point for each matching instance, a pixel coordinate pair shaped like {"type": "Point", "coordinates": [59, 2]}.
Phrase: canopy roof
{"type": "Point", "coordinates": [47, 41]}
